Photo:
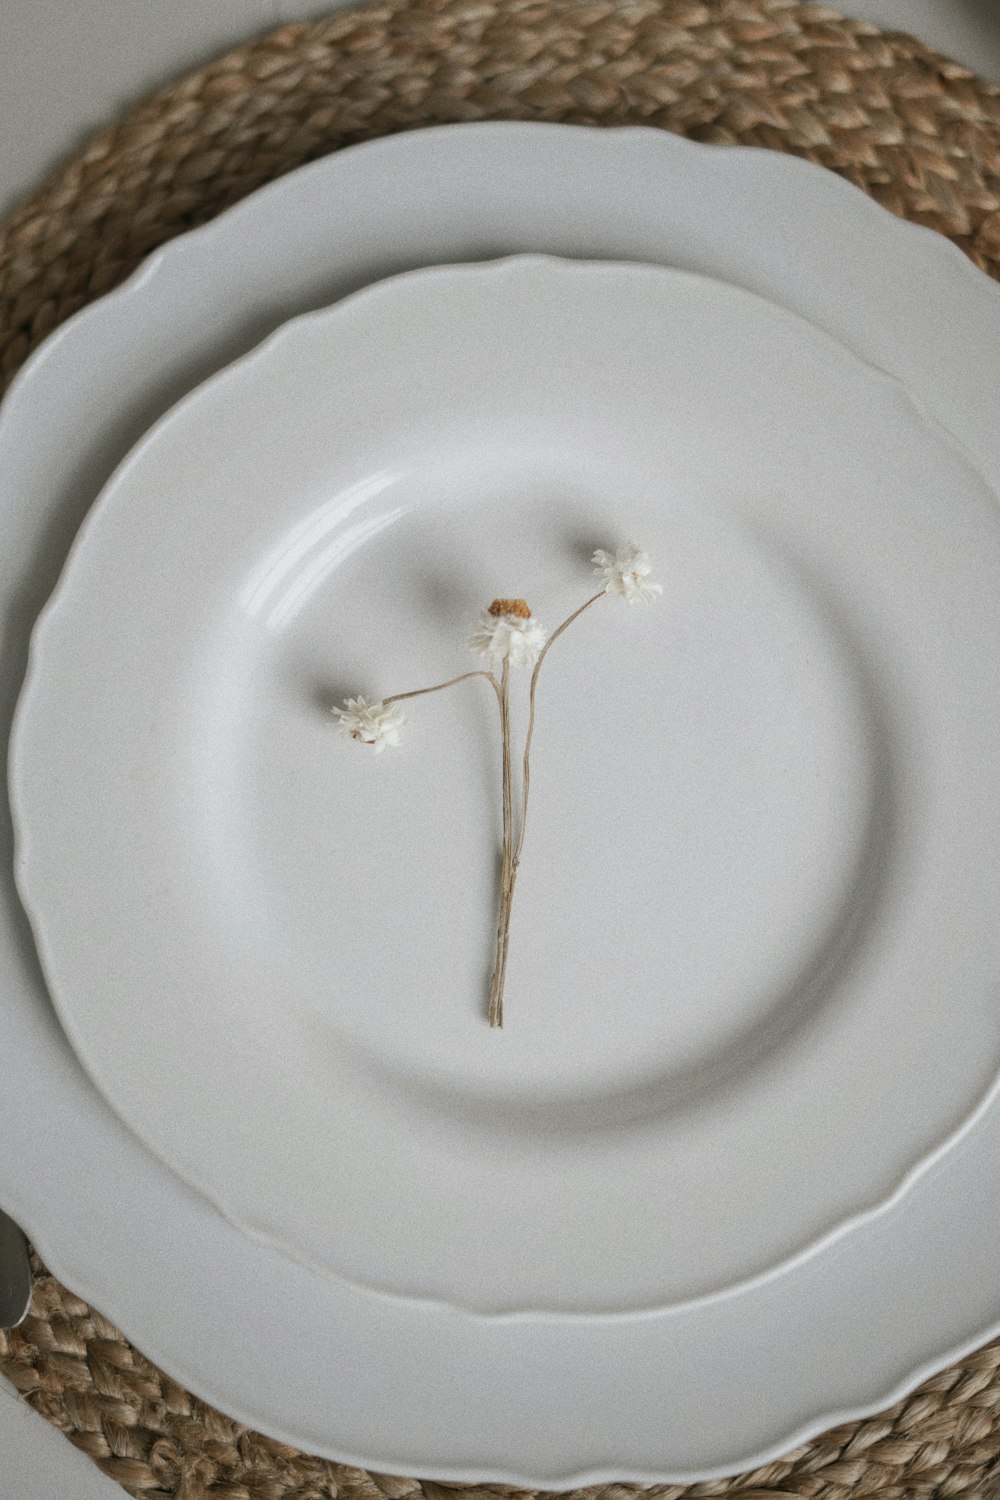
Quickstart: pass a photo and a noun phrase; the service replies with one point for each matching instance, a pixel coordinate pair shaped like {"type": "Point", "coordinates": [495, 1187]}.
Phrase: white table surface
{"type": "Point", "coordinates": [65, 70]}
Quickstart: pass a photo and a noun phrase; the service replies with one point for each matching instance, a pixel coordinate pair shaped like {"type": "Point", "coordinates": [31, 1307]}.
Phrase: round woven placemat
{"type": "Point", "coordinates": [919, 133]}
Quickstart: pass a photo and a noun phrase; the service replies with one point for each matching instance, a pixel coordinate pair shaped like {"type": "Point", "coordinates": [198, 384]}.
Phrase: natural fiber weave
{"type": "Point", "coordinates": [919, 133]}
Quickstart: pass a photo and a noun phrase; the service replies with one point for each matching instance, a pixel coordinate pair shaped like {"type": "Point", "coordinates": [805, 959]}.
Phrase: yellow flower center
{"type": "Point", "coordinates": [516, 607]}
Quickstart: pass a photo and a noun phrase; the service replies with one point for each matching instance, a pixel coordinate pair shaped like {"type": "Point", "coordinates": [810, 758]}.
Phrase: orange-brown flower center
{"type": "Point", "coordinates": [516, 607]}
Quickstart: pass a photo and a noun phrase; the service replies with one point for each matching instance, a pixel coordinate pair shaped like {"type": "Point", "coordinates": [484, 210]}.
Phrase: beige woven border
{"type": "Point", "coordinates": [919, 133]}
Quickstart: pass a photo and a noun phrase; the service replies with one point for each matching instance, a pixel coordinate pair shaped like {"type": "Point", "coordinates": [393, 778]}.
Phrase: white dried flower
{"type": "Point", "coordinates": [626, 572]}
{"type": "Point", "coordinates": [375, 724]}
{"type": "Point", "coordinates": [508, 631]}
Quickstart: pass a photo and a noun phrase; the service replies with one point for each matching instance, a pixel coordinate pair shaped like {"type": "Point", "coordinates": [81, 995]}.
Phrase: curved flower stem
{"type": "Point", "coordinates": [502, 690]}
{"type": "Point", "coordinates": [440, 686]}
{"type": "Point", "coordinates": [526, 764]}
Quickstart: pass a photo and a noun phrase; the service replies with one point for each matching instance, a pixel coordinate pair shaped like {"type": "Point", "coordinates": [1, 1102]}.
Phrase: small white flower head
{"type": "Point", "coordinates": [508, 632]}
{"type": "Point", "coordinates": [375, 724]}
{"type": "Point", "coordinates": [626, 572]}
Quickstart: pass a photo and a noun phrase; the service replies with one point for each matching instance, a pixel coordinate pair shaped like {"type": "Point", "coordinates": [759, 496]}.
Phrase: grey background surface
{"type": "Point", "coordinates": [65, 70]}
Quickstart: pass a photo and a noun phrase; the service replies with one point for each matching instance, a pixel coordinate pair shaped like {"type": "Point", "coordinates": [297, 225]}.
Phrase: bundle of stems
{"type": "Point", "coordinates": [509, 636]}
{"type": "Point", "coordinates": [513, 841]}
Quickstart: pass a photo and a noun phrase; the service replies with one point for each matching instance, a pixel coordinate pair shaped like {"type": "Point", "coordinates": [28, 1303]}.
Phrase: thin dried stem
{"type": "Point", "coordinates": [526, 764]}
{"type": "Point", "coordinates": [440, 686]}
{"type": "Point", "coordinates": [502, 690]}
{"type": "Point", "coordinates": [501, 981]}
{"type": "Point", "coordinates": [495, 1013]}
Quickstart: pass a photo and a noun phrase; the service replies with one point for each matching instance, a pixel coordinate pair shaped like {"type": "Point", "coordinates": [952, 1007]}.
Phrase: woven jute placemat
{"type": "Point", "coordinates": [916, 131]}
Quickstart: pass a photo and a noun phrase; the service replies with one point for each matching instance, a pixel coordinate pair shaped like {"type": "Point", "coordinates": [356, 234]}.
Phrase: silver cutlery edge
{"type": "Point", "coordinates": [15, 1274]}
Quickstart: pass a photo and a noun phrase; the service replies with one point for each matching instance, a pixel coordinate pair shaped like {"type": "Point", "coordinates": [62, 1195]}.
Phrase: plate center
{"type": "Point", "coordinates": [701, 832]}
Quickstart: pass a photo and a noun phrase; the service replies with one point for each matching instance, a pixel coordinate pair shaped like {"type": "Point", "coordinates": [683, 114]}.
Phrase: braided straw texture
{"type": "Point", "coordinates": [919, 133]}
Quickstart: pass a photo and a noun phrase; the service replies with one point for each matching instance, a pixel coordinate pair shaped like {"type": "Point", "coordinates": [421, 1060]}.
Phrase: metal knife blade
{"type": "Point", "coordinates": [15, 1273]}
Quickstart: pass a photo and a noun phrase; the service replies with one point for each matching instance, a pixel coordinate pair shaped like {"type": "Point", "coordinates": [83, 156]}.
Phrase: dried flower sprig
{"type": "Point", "coordinates": [507, 635]}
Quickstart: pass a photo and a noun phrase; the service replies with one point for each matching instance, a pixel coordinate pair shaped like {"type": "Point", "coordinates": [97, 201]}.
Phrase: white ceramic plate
{"type": "Point", "coordinates": [753, 974]}
{"type": "Point", "coordinates": [334, 1369]}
